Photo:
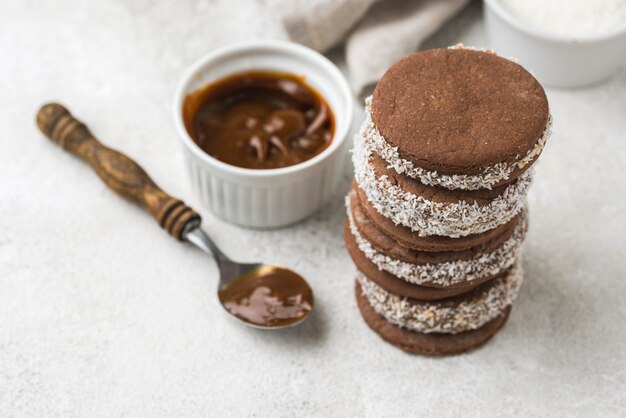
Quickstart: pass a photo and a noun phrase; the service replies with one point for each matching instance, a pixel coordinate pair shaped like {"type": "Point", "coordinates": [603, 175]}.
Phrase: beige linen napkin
{"type": "Point", "coordinates": [377, 32]}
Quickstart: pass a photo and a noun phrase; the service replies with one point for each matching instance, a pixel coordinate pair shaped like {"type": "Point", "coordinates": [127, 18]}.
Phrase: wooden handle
{"type": "Point", "coordinates": [119, 172]}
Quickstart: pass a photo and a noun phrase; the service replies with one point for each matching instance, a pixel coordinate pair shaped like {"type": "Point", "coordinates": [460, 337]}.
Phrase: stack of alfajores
{"type": "Point", "coordinates": [437, 214]}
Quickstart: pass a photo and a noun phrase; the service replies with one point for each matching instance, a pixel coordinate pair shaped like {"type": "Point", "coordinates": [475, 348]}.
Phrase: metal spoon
{"type": "Point", "coordinates": [257, 294]}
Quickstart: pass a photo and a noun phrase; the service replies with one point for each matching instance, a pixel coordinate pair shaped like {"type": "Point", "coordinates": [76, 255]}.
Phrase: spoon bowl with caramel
{"type": "Point", "coordinates": [259, 295]}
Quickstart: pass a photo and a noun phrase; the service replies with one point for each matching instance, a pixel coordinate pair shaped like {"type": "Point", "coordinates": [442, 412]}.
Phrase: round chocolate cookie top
{"type": "Point", "coordinates": [459, 111]}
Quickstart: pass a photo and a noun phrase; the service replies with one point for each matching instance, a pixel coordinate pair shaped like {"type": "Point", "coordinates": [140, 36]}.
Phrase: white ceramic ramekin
{"type": "Point", "coordinates": [275, 197]}
{"type": "Point", "coordinates": [556, 61]}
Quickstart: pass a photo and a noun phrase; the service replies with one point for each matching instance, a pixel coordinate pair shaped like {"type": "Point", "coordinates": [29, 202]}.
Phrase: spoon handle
{"type": "Point", "coordinates": [120, 173]}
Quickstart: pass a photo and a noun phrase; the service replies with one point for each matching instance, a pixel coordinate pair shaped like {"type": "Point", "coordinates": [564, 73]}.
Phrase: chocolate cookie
{"type": "Point", "coordinates": [394, 284]}
{"type": "Point", "coordinates": [481, 197]}
{"type": "Point", "coordinates": [459, 118]}
{"type": "Point", "coordinates": [428, 344]}
{"type": "Point", "coordinates": [407, 238]}
{"type": "Point", "coordinates": [427, 210]}
{"type": "Point", "coordinates": [446, 316]}
{"type": "Point", "coordinates": [383, 243]}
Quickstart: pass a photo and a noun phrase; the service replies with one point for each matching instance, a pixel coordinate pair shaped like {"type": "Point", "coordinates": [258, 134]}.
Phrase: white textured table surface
{"type": "Point", "coordinates": [101, 314]}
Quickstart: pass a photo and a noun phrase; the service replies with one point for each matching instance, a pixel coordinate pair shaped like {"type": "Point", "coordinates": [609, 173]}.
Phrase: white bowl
{"type": "Point", "coordinates": [557, 61]}
{"type": "Point", "coordinates": [273, 197]}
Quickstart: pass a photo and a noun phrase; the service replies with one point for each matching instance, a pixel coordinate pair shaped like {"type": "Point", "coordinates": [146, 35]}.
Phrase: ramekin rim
{"type": "Point", "coordinates": [284, 46]}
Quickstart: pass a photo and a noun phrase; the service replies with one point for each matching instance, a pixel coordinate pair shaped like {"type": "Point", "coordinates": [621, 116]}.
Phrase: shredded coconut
{"type": "Point", "coordinates": [426, 217]}
{"type": "Point", "coordinates": [571, 18]}
{"type": "Point", "coordinates": [486, 180]}
{"type": "Point", "coordinates": [429, 317]}
{"type": "Point", "coordinates": [447, 273]}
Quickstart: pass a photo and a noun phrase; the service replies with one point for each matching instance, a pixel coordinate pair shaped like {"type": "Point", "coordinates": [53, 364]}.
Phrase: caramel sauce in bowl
{"type": "Point", "coordinates": [286, 156]}
{"type": "Point", "coordinates": [259, 120]}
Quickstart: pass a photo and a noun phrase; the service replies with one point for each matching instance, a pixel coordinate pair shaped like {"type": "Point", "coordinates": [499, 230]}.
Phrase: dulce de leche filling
{"type": "Point", "coordinates": [259, 120]}
{"type": "Point", "coordinates": [268, 297]}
